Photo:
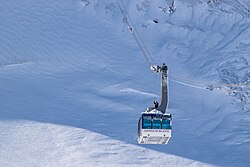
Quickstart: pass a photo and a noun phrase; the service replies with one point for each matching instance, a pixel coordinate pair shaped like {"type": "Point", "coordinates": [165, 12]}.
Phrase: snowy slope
{"type": "Point", "coordinates": [73, 82]}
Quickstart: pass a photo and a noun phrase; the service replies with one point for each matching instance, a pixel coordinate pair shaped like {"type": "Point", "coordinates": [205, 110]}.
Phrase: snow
{"type": "Point", "coordinates": [67, 146]}
{"type": "Point", "coordinates": [73, 83]}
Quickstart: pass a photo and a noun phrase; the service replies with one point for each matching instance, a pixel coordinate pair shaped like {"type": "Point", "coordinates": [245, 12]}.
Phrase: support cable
{"type": "Point", "coordinates": [208, 85]}
{"type": "Point", "coordinates": [135, 34]}
{"type": "Point", "coordinates": [150, 60]}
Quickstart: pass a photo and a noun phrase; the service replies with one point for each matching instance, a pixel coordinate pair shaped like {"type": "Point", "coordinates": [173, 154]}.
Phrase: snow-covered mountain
{"type": "Point", "coordinates": [73, 82]}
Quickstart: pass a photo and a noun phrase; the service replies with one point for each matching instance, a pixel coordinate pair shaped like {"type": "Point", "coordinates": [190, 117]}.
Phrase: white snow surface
{"type": "Point", "coordinates": [73, 82]}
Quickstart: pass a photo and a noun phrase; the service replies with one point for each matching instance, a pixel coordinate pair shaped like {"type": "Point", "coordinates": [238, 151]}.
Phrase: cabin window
{"type": "Point", "coordinates": [156, 124]}
{"type": "Point", "coordinates": [146, 122]}
{"type": "Point", "coordinates": [166, 124]}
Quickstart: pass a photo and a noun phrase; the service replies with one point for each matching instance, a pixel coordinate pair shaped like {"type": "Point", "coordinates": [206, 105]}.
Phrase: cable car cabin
{"type": "Point", "coordinates": [154, 127]}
